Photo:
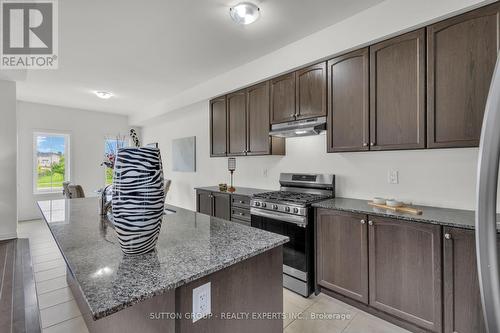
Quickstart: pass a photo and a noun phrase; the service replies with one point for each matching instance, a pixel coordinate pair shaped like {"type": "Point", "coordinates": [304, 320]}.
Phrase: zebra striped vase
{"type": "Point", "coordinates": [138, 198]}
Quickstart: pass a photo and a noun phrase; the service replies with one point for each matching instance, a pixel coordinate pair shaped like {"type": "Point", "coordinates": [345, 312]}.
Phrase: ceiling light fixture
{"type": "Point", "coordinates": [103, 94]}
{"type": "Point", "coordinates": [244, 13]}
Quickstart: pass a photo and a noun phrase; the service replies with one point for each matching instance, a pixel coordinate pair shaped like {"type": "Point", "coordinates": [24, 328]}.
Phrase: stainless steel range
{"type": "Point", "coordinates": [288, 212]}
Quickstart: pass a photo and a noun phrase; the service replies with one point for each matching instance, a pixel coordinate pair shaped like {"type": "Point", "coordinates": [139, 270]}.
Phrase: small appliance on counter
{"type": "Point", "coordinates": [289, 212]}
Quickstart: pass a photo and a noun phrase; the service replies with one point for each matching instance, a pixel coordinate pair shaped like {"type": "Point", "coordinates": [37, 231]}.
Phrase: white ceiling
{"type": "Point", "coordinates": [147, 51]}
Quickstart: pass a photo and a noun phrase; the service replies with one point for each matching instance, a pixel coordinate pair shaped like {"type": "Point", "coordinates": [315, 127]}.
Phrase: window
{"type": "Point", "coordinates": [51, 161]}
{"type": "Point", "coordinates": [110, 148]}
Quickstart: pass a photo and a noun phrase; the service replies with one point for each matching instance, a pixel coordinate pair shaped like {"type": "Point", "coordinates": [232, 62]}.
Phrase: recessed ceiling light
{"type": "Point", "coordinates": [244, 13]}
{"type": "Point", "coordinates": [103, 94]}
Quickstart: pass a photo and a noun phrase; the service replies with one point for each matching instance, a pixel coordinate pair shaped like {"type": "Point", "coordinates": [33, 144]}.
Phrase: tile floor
{"type": "Point", "coordinates": [59, 312]}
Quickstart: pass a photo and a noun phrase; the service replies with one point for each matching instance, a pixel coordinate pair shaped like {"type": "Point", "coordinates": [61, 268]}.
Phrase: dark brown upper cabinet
{"type": "Point", "coordinates": [405, 270]}
{"type": "Point", "coordinates": [397, 92]}
{"type": "Point", "coordinates": [311, 91]}
{"type": "Point", "coordinates": [237, 123]}
{"type": "Point", "coordinates": [218, 127]}
{"type": "Point", "coordinates": [348, 102]}
{"type": "Point", "coordinates": [461, 53]}
{"type": "Point", "coordinates": [342, 253]}
{"type": "Point", "coordinates": [283, 98]}
{"type": "Point", "coordinates": [462, 300]}
{"type": "Point", "coordinates": [258, 119]}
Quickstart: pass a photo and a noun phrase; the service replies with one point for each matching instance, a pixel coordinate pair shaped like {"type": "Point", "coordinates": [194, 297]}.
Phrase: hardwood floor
{"type": "Point", "coordinates": [18, 301]}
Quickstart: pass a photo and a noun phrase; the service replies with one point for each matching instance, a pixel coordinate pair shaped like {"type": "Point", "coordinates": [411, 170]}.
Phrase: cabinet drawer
{"type": "Point", "coordinates": [239, 213]}
{"type": "Point", "coordinates": [240, 201]}
{"type": "Point", "coordinates": [240, 221]}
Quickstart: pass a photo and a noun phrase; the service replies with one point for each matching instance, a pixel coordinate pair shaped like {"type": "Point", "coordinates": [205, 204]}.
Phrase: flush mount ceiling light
{"type": "Point", "coordinates": [244, 13]}
{"type": "Point", "coordinates": [103, 94]}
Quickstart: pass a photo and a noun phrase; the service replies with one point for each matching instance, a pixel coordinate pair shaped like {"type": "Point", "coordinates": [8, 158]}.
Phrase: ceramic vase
{"type": "Point", "coordinates": [138, 198]}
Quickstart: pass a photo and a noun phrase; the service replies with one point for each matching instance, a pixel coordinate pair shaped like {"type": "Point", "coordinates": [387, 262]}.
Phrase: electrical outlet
{"type": "Point", "coordinates": [201, 302]}
{"type": "Point", "coordinates": [393, 177]}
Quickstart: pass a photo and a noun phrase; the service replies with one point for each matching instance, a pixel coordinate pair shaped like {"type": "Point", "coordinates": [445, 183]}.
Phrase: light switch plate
{"type": "Point", "coordinates": [393, 177]}
{"type": "Point", "coordinates": [201, 302]}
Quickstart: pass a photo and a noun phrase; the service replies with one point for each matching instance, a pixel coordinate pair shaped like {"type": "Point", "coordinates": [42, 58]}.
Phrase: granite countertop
{"type": "Point", "coordinates": [246, 191]}
{"type": "Point", "coordinates": [190, 246]}
{"type": "Point", "coordinates": [443, 216]}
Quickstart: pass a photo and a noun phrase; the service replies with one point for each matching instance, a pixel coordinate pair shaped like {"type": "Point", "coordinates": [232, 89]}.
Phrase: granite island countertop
{"type": "Point", "coordinates": [443, 216]}
{"type": "Point", "coordinates": [190, 246]}
{"type": "Point", "coordinates": [246, 191]}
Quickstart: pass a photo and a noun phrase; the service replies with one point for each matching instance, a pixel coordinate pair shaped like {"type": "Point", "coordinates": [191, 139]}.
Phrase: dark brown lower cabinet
{"type": "Point", "coordinates": [214, 204]}
{"type": "Point", "coordinates": [342, 253]}
{"type": "Point", "coordinates": [405, 270]}
{"type": "Point", "coordinates": [462, 301]}
{"type": "Point", "coordinates": [204, 202]}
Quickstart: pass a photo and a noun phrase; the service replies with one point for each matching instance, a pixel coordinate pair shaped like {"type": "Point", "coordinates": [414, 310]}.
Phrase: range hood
{"type": "Point", "coordinates": [306, 127]}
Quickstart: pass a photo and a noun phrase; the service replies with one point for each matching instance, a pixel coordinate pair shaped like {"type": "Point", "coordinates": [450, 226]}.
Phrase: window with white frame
{"type": "Point", "coordinates": [111, 147]}
{"type": "Point", "coordinates": [51, 162]}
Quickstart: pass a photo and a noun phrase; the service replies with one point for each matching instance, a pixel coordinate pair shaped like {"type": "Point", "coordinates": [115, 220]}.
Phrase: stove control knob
{"type": "Point", "coordinates": [287, 209]}
{"type": "Point", "coordinates": [257, 204]}
{"type": "Point", "coordinates": [264, 205]}
{"type": "Point", "coordinates": [275, 207]}
{"type": "Point", "coordinates": [295, 210]}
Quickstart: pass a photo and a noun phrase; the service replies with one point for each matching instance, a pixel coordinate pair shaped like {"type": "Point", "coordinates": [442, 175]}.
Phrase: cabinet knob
{"type": "Point", "coordinates": [365, 144]}
{"type": "Point", "coordinates": [447, 236]}
{"type": "Point", "coordinates": [241, 202]}
{"type": "Point", "coordinates": [370, 222]}
{"type": "Point", "coordinates": [372, 143]}
{"type": "Point", "coordinates": [292, 115]}
{"type": "Point", "coordinates": [362, 221]}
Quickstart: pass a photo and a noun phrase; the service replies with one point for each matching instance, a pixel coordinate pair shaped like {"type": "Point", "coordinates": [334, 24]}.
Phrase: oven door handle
{"type": "Point", "coordinates": [301, 221]}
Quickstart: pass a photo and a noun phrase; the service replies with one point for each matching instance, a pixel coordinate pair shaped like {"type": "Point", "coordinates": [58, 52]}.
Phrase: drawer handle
{"type": "Point", "coordinates": [241, 214]}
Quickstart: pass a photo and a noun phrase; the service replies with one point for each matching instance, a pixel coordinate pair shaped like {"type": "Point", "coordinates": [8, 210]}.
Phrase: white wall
{"type": "Point", "coordinates": [441, 177]}
{"type": "Point", "coordinates": [378, 22]}
{"type": "Point", "coordinates": [87, 131]}
{"type": "Point", "coordinates": [8, 160]}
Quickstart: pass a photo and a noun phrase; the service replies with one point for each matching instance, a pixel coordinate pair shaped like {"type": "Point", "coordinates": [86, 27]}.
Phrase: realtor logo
{"type": "Point", "coordinates": [29, 34]}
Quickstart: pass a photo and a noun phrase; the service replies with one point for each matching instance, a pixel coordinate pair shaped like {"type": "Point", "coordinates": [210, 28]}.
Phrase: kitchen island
{"type": "Point", "coordinates": [154, 292]}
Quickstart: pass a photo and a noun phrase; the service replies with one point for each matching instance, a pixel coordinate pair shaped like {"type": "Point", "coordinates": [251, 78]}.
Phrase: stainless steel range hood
{"type": "Point", "coordinates": [313, 126]}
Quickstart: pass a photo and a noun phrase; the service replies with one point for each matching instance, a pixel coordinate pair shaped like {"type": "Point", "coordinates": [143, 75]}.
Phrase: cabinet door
{"type": "Point", "coordinates": [204, 202]}
{"type": "Point", "coordinates": [342, 253]}
{"type": "Point", "coordinates": [405, 270]}
{"type": "Point", "coordinates": [461, 52]}
{"type": "Point", "coordinates": [259, 142]}
{"type": "Point", "coordinates": [311, 91]}
{"type": "Point", "coordinates": [283, 98]}
{"type": "Point", "coordinates": [237, 120]}
{"type": "Point", "coordinates": [222, 206]}
{"type": "Point", "coordinates": [218, 127]}
{"type": "Point", "coordinates": [462, 300]}
{"type": "Point", "coordinates": [397, 92]}
{"type": "Point", "coordinates": [348, 102]}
